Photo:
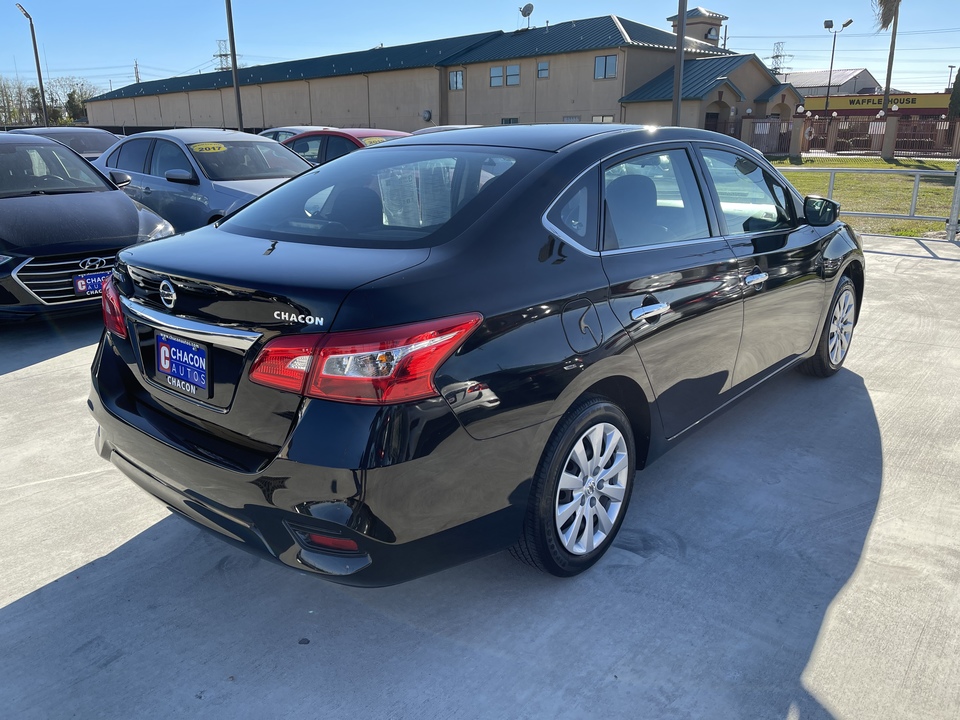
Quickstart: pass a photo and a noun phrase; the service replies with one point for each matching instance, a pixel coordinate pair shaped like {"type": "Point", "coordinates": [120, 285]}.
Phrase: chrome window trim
{"type": "Point", "coordinates": [200, 332]}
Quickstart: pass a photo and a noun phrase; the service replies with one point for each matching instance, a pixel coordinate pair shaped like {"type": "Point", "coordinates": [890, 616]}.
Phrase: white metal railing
{"type": "Point", "coordinates": [951, 220]}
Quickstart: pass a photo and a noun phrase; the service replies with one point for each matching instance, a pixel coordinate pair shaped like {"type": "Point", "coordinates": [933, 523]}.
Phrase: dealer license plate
{"type": "Point", "coordinates": [90, 283]}
{"type": "Point", "coordinates": [182, 365]}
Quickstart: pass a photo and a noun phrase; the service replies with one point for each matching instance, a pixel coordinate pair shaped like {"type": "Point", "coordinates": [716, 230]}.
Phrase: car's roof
{"type": "Point", "coordinates": [10, 138]}
{"type": "Point", "coordinates": [59, 130]}
{"type": "Point", "coordinates": [299, 128]}
{"type": "Point", "coordinates": [195, 135]}
{"type": "Point", "coordinates": [553, 137]}
{"type": "Point", "coordinates": [356, 132]}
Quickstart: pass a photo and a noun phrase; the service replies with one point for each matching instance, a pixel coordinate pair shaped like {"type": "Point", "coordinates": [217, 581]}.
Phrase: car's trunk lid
{"type": "Point", "coordinates": [201, 306]}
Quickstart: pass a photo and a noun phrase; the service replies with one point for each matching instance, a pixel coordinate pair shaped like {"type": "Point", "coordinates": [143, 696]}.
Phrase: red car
{"type": "Point", "coordinates": [322, 146]}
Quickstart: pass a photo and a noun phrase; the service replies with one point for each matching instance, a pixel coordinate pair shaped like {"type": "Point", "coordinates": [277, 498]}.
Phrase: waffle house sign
{"type": "Point", "coordinates": [907, 104]}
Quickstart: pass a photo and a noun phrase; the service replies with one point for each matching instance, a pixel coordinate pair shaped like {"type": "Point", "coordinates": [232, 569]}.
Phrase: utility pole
{"type": "Point", "coordinates": [136, 71]}
{"type": "Point", "coordinates": [678, 62]}
{"type": "Point", "coordinates": [233, 62]}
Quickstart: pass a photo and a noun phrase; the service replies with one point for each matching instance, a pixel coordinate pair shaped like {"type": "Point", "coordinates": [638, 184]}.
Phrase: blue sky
{"type": "Point", "coordinates": [99, 40]}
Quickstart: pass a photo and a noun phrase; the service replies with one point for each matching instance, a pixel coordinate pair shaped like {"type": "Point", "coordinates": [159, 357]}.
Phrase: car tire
{"type": "Point", "coordinates": [837, 333]}
{"type": "Point", "coordinates": [574, 512]}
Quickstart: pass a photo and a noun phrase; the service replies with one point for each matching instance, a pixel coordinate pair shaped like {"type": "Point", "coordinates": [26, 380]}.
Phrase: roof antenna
{"type": "Point", "coordinates": [527, 11]}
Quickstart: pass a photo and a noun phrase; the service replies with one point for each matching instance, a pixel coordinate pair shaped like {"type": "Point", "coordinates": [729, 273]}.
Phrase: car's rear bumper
{"type": "Point", "coordinates": [458, 499]}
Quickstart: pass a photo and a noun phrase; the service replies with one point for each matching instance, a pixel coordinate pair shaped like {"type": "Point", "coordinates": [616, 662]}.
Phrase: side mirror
{"type": "Point", "coordinates": [181, 176]}
{"type": "Point", "coordinates": [820, 211]}
{"type": "Point", "coordinates": [120, 179]}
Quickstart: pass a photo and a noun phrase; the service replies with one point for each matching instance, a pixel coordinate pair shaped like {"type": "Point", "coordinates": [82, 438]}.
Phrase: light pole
{"type": "Point", "coordinates": [36, 56]}
{"type": "Point", "coordinates": [950, 78]}
{"type": "Point", "coordinates": [828, 24]}
{"type": "Point", "coordinates": [233, 65]}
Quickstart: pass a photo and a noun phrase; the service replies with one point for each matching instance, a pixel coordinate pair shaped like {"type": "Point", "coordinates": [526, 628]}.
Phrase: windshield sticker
{"type": "Point", "coordinates": [208, 147]}
{"type": "Point", "coordinates": [372, 140]}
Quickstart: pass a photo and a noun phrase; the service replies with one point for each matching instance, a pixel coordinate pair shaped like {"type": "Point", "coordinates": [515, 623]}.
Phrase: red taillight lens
{"type": "Point", "coordinates": [112, 314]}
{"type": "Point", "coordinates": [375, 367]}
{"type": "Point", "coordinates": [387, 365]}
{"type": "Point", "coordinates": [283, 363]}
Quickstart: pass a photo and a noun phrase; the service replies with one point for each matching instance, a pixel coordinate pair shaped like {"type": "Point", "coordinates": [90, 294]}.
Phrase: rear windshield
{"type": "Point", "coordinates": [246, 160]}
{"type": "Point", "coordinates": [387, 196]}
{"type": "Point", "coordinates": [86, 142]}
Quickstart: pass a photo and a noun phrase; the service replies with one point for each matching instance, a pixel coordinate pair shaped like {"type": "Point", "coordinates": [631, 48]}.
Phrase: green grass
{"type": "Point", "coordinates": [879, 193]}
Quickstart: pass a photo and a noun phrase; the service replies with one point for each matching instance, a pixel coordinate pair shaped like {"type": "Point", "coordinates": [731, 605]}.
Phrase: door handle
{"type": "Point", "coordinates": [147, 191]}
{"type": "Point", "coordinates": [645, 312]}
{"type": "Point", "coordinates": [756, 278]}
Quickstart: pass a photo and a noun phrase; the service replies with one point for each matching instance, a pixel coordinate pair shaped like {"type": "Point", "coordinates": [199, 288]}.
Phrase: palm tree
{"type": "Point", "coordinates": [888, 12]}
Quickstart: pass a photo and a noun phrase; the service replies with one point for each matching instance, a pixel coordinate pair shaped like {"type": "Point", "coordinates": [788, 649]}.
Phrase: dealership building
{"type": "Point", "coordinates": [600, 69]}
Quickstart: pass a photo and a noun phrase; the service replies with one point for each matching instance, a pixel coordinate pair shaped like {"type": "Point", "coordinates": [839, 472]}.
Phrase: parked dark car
{"type": "Point", "coordinates": [460, 342]}
{"type": "Point", "coordinates": [195, 176]}
{"type": "Point", "coordinates": [61, 224]}
{"type": "Point", "coordinates": [322, 146]}
{"type": "Point", "coordinates": [88, 142]}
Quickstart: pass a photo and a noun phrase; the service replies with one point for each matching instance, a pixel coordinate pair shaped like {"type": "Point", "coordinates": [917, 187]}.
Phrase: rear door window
{"type": "Point", "coordinates": [133, 155]}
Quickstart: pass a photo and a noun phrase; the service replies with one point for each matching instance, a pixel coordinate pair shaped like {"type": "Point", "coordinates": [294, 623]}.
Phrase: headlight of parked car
{"type": "Point", "coordinates": [153, 227]}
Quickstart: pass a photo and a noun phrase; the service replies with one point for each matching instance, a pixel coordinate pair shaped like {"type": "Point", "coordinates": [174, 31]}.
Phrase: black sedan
{"type": "Point", "coordinates": [457, 343]}
{"type": "Point", "coordinates": [61, 225]}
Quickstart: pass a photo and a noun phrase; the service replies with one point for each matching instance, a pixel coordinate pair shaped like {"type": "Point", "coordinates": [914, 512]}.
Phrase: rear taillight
{"type": "Point", "coordinates": [284, 362]}
{"type": "Point", "coordinates": [371, 367]}
{"type": "Point", "coordinates": [112, 314]}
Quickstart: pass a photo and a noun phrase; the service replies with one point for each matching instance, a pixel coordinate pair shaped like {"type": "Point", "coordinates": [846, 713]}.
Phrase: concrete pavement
{"type": "Point", "coordinates": [799, 558]}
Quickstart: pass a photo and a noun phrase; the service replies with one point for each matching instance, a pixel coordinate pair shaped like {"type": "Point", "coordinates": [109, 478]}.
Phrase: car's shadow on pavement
{"type": "Point", "coordinates": [709, 606]}
{"type": "Point", "coordinates": [28, 342]}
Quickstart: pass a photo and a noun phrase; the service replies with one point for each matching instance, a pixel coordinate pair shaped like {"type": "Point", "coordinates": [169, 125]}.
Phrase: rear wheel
{"type": "Point", "coordinates": [837, 333]}
{"type": "Point", "coordinates": [581, 490]}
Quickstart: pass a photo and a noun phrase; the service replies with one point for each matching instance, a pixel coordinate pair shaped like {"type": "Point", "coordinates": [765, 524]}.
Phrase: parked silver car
{"type": "Point", "coordinates": [195, 176]}
{"type": "Point", "coordinates": [287, 131]}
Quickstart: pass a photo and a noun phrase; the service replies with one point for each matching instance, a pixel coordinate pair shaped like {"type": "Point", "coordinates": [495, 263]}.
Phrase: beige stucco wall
{"type": "Point", "coordinates": [661, 113]}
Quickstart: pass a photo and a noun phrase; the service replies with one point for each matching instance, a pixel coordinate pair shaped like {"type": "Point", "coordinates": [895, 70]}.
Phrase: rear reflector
{"type": "Point", "coordinates": [332, 543]}
{"type": "Point", "coordinates": [372, 367]}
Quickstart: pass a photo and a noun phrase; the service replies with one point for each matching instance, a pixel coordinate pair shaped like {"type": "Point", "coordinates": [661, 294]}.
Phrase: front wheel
{"type": "Point", "coordinates": [837, 333]}
{"type": "Point", "coordinates": [581, 490]}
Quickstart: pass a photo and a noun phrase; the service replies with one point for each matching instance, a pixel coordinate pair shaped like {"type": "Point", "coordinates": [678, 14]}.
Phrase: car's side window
{"type": "Point", "coordinates": [575, 212]}
{"type": "Point", "coordinates": [133, 155]}
{"type": "Point", "coordinates": [308, 148]}
{"type": "Point", "coordinates": [338, 146]}
{"type": "Point", "coordinates": [751, 199]}
{"type": "Point", "coordinates": [167, 156]}
{"type": "Point", "coordinates": [652, 199]}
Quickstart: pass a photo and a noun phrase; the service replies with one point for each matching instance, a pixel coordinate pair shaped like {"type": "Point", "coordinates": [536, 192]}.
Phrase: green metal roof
{"type": "Point", "coordinates": [700, 76]}
{"type": "Point", "coordinates": [776, 90]}
{"type": "Point", "coordinates": [699, 12]}
{"type": "Point", "coordinates": [599, 33]}
{"type": "Point", "coordinates": [416, 55]}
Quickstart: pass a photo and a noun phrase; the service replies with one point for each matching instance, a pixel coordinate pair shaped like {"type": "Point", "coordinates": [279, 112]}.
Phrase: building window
{"type": "Point", "coordinates": [571, 118]}
{"type": "Point", "coordinates": [605, 67]}
{"type": "Point", "coordinates": [456, 79]}
{"type": "Point", "coordinates": [509, 121]}
{"type": "Point", "coordinates": [513, 74]}
{"type": "Point", "coordinates": [496, 77]}
{"type": "Point", "coordinates": [603, 118]}
{"type": "Point", "coordinates": [543, 70]}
